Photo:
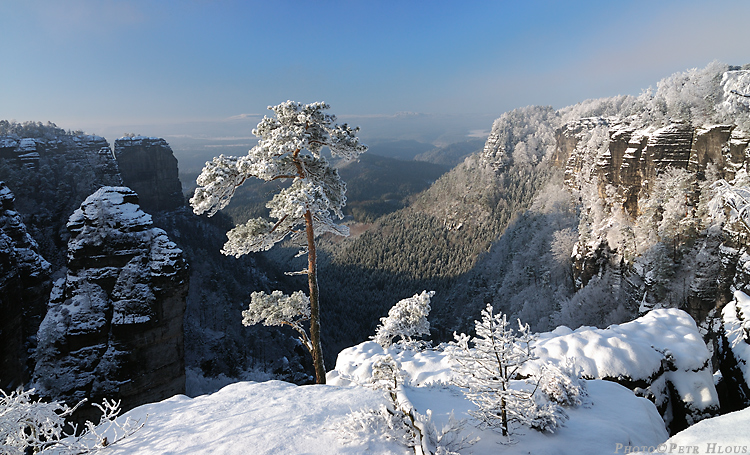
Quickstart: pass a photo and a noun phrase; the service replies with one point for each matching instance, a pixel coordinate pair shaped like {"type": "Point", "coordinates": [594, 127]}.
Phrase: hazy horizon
{"type": "Point", "coordinates": [436, 72]}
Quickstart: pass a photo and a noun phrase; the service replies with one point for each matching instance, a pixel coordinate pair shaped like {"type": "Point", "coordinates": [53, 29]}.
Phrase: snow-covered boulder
{"type": "Point", "coordinates": [660, 356]}
{"type": "Point", "coordinates": [115, 322]}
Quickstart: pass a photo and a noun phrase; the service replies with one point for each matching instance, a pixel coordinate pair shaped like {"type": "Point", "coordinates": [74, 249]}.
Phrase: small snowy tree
{"type": "Point", "coordinates": [406, 319]}
{"type": "Point", "coordinates": [289, 148]}
{"type": "Point", "coordinates": [486, 370]}
{"type": "Point", "coordinates": [399, 421]}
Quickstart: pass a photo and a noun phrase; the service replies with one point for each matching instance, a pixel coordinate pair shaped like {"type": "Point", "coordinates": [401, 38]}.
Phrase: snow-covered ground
{"type": "Point", "coordinates": [719, 435]}
{"type": "Point", "coordinates": [280, 418]}
{"type": "Point", "coordinates": [275, 417]}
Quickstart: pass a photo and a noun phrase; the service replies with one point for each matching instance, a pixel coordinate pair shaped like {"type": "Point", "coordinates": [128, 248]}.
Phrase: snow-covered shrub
{"type": "Point", "coordinates": [563, 384]}
{"type": "Point", "coordinates": [27, 425]}
{"type": "Point", "coordinates": [391, 425]}
{"type": "Point", "coordinates": [406, 319]}
{"type": "Point", "coordinates": [386, 375]}
{"type": "Point", "coordinates": [485, 372]}
{"type": "Point", "coordinates": [449, 439]}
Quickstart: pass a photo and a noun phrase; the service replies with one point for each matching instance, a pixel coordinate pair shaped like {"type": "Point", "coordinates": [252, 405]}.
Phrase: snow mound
{"type": "Point", "coordinates": [720, 434]}
{"type": "Point", "coordinates": [354, 365]}
{"type": "Point", "coordinates": [655, 355]}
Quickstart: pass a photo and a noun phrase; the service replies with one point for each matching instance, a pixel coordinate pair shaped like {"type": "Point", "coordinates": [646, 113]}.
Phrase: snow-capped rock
{"type": "Point", "coordinates": [734, 352]}
{"type": "Point", "coordinates": [660, 356]}
{"type": "Point", "coordinates": [720, 434]}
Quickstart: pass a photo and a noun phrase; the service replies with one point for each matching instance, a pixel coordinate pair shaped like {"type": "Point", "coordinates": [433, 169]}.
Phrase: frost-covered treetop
{"type": "Point", "coordinates": [289, 148]}
{"type": "Point", "coordinates": [298, 126]}
{"type": "Point", "coordinates": [406, 319]}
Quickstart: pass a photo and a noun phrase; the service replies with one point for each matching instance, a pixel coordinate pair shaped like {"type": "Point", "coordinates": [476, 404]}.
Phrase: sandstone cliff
{"type": "Point", "coordinates": [115, 322]}
{"type": "Point", "coordinates": [149, 167]}
{"type": "Point", "coordinates": [51, 175]}
{"type": "Point", "coordinates": [24, 287]}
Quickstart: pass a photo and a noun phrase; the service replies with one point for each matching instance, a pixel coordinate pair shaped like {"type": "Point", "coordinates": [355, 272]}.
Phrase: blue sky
{"type": "Point", "coordinates": [203, 67]}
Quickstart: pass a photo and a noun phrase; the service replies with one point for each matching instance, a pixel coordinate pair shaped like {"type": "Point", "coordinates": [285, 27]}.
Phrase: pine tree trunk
{"type": "Point", "coordinates": [312, 279]}
{"type": "Point", "coordinates": [504, 416]}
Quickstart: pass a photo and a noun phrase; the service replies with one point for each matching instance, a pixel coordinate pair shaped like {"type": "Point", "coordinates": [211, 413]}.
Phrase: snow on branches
{"type": "Point", "coordinates": [399, 421]}
{"type": "Point", "coordinates": [485, 372]}
{"type": "Point", "coordinates": [737, 198]}
{"type": "Point", "coordinates": [278, 308]}
{"type": "Point", "coordinates": [32, 425]}
{"type": "Point", "coordinates": [406, 319]}
{"type": "Point", "coordinates": [289, 148]}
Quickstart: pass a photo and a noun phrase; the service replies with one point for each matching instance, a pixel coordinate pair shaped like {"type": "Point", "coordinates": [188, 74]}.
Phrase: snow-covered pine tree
{"type": "Point", "coordinates": [289, 148]}
{"type": "Point", "coordinates": [486, 370]}
{"type": "Point", "coordinates": [406, 319]}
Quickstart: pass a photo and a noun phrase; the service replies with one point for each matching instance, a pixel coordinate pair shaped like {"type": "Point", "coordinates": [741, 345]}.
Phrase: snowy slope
{"type": "Point", "coordinates": [280, 418]}
{"type": "Point", "coordinates": [715, 435]}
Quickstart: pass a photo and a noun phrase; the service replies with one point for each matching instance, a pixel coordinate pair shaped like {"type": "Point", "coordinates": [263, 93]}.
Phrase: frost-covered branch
{"type": "Point", "coordinates": [27, 425]}
{"type": "Point", "coordinates": [736, 198]}
{"type": "Point", "coordinates": [279, 309]}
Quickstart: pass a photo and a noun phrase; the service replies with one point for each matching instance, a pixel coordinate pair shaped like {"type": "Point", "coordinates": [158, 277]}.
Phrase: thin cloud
{"type": "Point", "coordinates": [242, 117]}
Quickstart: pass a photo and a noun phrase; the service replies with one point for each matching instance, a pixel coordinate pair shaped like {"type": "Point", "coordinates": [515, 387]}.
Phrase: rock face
{"type": "Point", "coordinates": [149, 167]}
{"type": "Point", "coordinates": [50, 176]}
{"type": "Point", "coordinates": [24, 287]}
{"type": "Point", "coordinates": [734, 353]}
{"type": "Point", "coordinates": [624, 162]}
{"type": "Point", "coordinates": [114, 327]}
{"type": "Point", "coordinates": [81, 150]}
{"type": "Point", "coordinates": [632, 158]}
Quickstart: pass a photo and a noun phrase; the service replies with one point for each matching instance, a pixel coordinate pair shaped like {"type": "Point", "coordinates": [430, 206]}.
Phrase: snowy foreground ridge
{"type": "Point", "coordinates": [280, 418]}
{"type": "Point", "coordinates": [276, 417]}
